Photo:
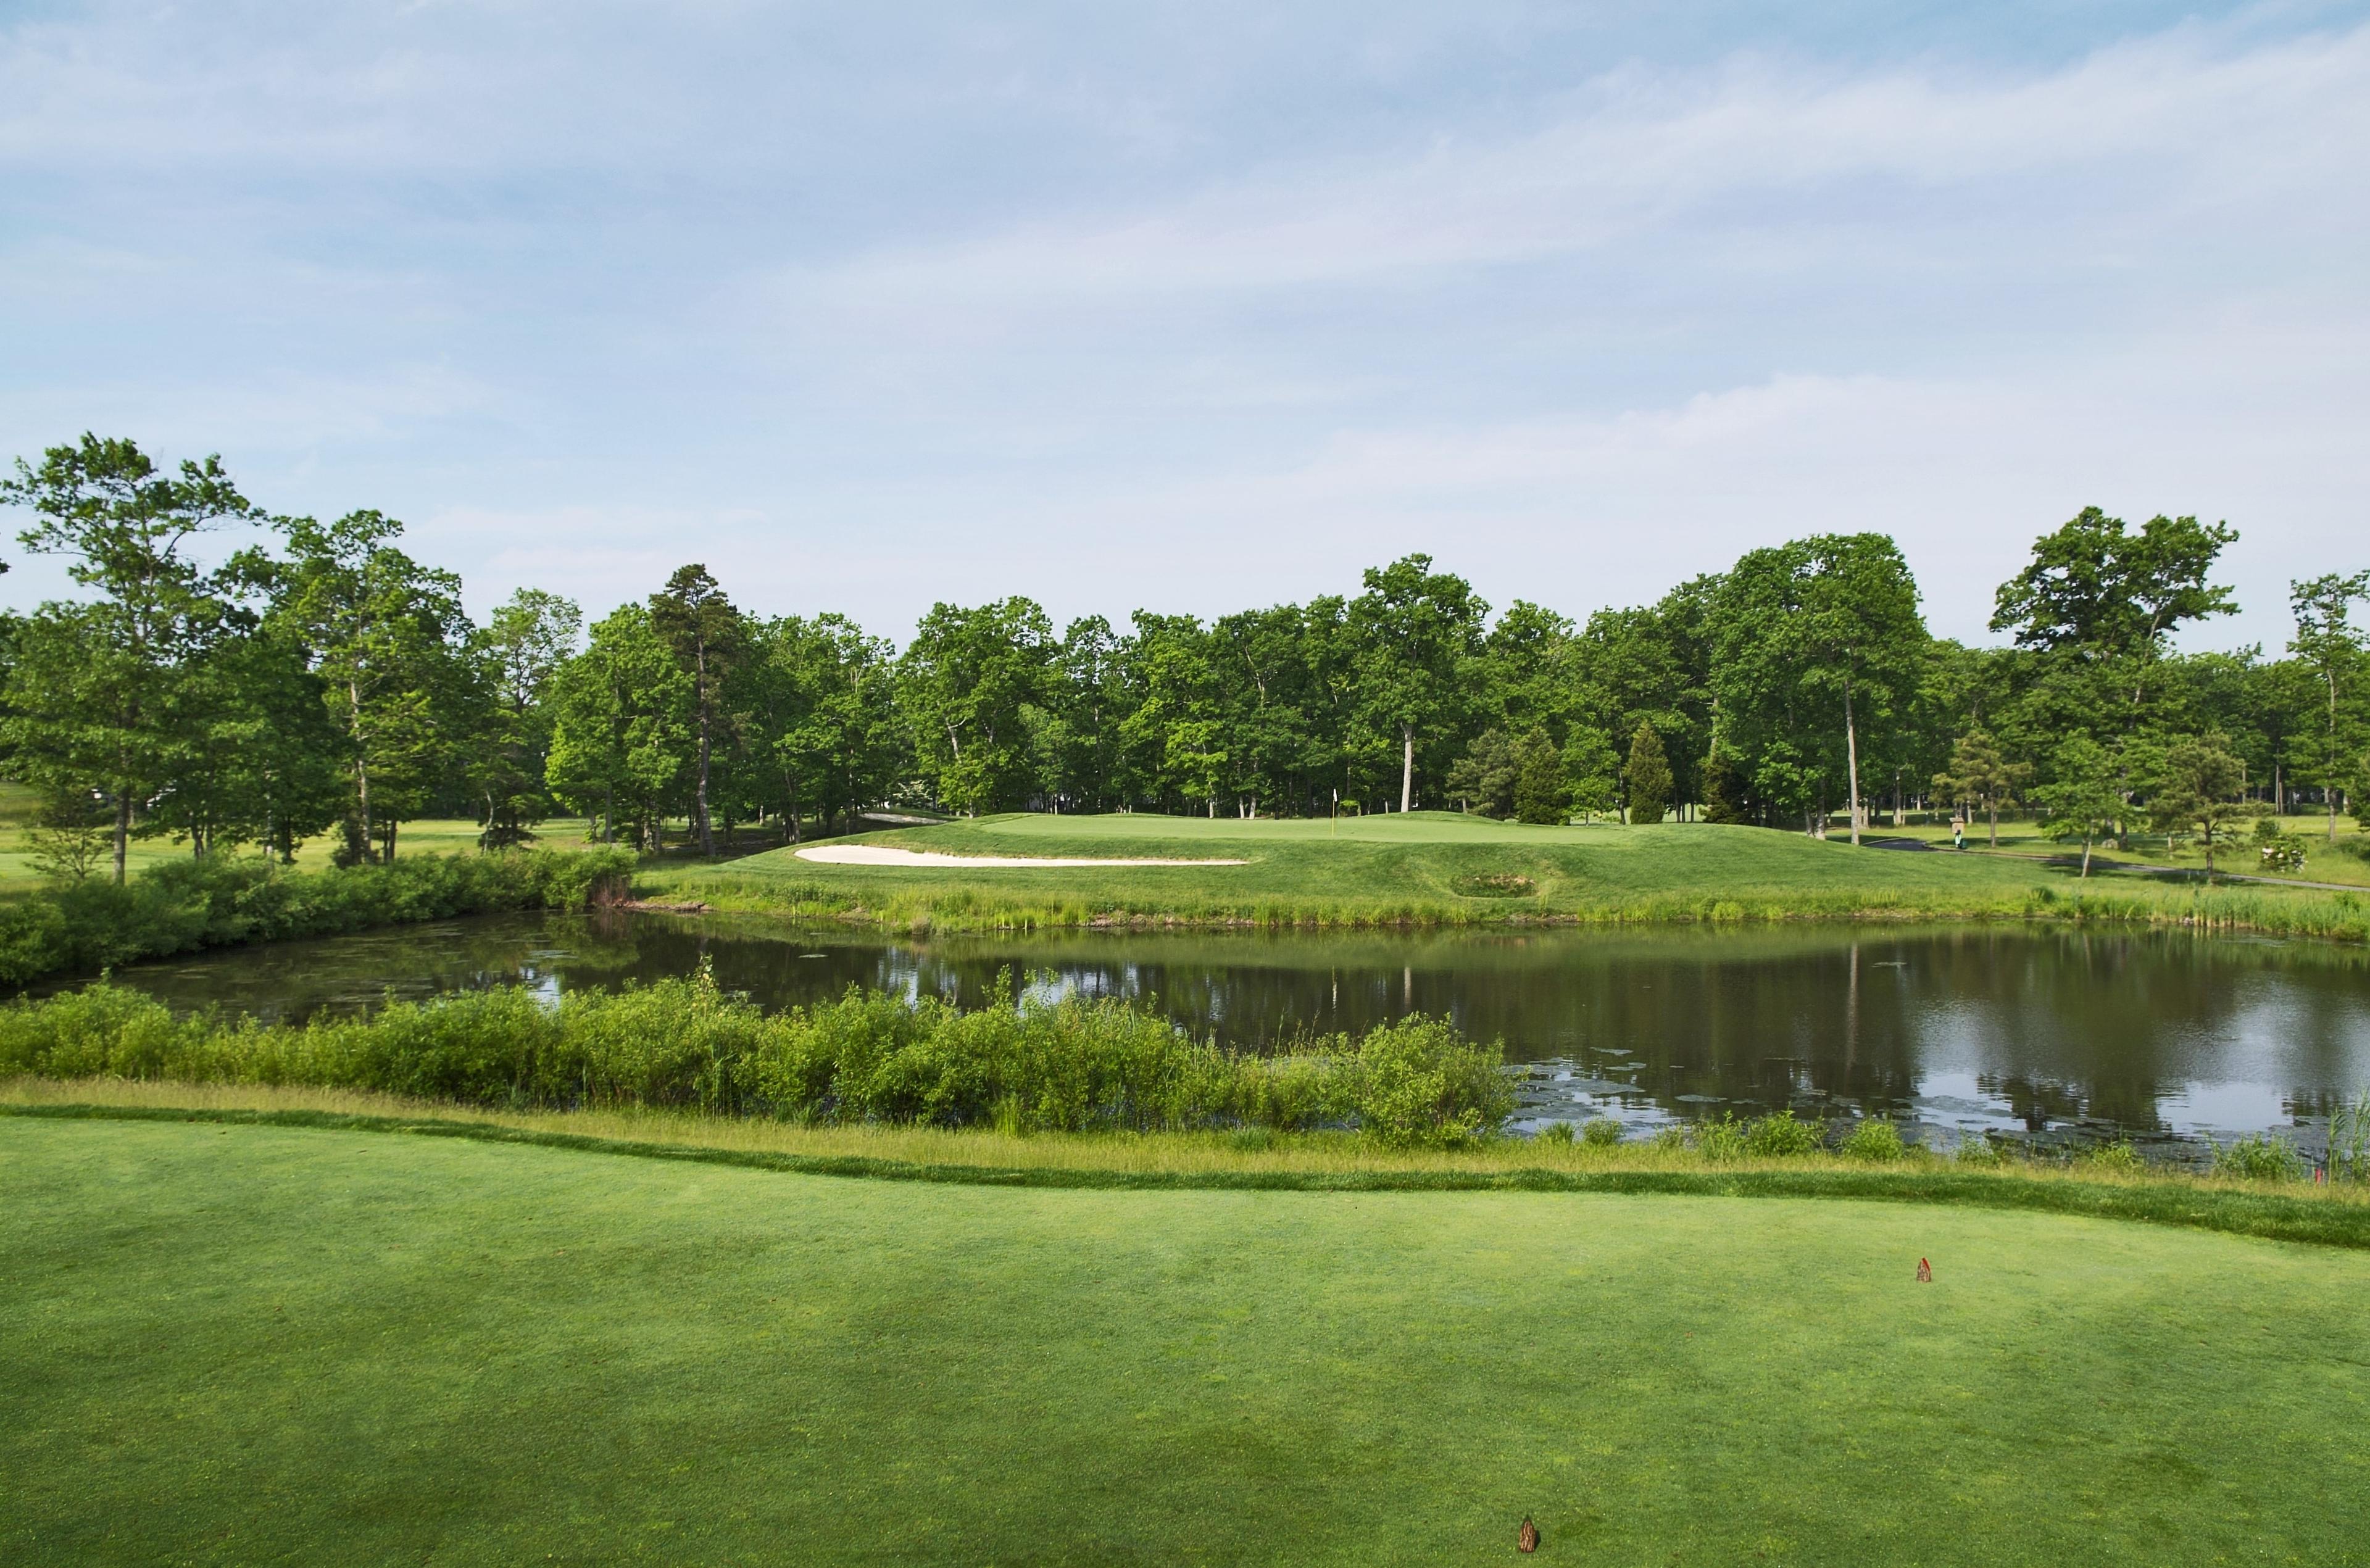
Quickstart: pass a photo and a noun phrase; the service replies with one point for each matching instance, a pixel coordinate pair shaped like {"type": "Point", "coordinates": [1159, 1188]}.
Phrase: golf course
{"type": "Point", "coordinates": [1444, 867]}
{"type": "Point", "coordinates": [243, 1344]}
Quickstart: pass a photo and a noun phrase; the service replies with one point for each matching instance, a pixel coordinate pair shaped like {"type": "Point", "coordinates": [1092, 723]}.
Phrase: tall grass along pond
{"type": "Point", "coordinates": [1071, 1065]}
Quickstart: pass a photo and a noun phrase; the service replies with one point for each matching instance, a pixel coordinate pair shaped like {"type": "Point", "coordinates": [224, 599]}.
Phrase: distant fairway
{"type": "Point", "coordinates": [252, 1344]}
{"type": "Point", "coordinates": [1441, 866]}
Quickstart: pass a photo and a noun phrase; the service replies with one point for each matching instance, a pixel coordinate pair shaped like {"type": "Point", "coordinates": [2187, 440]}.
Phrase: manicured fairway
{"type": "Point", "coordinates": [254, 1345]}
{"type": "Point", "coordinates": [1440, 866]}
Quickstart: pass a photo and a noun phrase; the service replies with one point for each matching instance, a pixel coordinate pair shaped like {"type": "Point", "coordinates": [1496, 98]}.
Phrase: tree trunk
{"type": "Point", "coordinates": [362, 763]}
{"type": "Point", "coordinates": [1407, 767]}
{"type": "Point", "coordinates": [707, 837]}
{"type": "Point", "coordinates": [122, 831]}
{"type": "Point", "coordinates": [1991, 813]}
{"type": "Point", "coordinates": [1851, 760]}
{"type": "Point", "coordinates": [2330, 792]}
{"type": "Point", "coordinates": [2085, 857]}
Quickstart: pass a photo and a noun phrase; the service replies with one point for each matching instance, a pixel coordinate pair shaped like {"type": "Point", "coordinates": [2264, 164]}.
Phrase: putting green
{"type": "Point", "coordinates": [253, 1345]}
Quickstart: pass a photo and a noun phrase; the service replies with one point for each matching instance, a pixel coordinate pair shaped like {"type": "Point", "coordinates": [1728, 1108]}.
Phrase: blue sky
{"type": "Point", "coordinates": [1198, 307]}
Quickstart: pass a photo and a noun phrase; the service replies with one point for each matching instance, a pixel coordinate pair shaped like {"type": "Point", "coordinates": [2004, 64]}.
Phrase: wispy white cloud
{"type": "Point", "coordinates": [2155, 129]}
{"type": "Point", "coordinates": [1135, 307]}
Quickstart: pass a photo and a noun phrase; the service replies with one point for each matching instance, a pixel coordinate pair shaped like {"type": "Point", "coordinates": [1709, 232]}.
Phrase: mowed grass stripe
{"type": "Point", "coordinates": [250, 1345]}
{"type": "Point", "coordinates": [2312, 1216]}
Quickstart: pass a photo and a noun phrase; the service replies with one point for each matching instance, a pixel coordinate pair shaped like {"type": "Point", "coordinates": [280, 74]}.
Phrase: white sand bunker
{"type": "Point", "coordinates": [881, 854]}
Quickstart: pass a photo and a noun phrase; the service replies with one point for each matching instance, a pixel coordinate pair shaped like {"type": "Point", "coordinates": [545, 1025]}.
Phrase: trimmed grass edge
{"type": "Point", "coordinates": [2266, 1215]}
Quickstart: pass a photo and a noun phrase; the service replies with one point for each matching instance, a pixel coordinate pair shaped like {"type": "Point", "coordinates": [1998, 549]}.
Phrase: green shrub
{"type": "Point", "coordinates": [1421, 1083]}
{"type": "Point", "coordinates": [1979, 1150]}
{"type": "Point", "coordinates": [1556, 1132]}
{"type": "Point", "coordinates": [1780, 1135]}
{"type": "Point", "coordinates": [1072, 1064]}
{"type": "Point", "coordinates": [1722, 1139]}
{"type": "Point", "coordinates": [1875, 1139]}
{"type": "Point", "coordinates": [1601, 1133]}
{"type": "Point", "coordinates": [2259, 1156]}
{"type": "Point", "coordinates": [1668, 1139]}
{"type": "Point", "coordinates": [2118, 1155]}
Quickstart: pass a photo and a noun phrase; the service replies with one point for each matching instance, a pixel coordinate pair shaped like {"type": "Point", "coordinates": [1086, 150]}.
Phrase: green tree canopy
{"type": "Point", "coordinates": [1415, 631]}
{"type": "Point", "coordinates": [102, 697]}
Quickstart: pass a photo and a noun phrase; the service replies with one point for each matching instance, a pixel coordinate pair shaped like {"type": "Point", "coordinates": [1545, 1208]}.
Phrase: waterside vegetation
{"type": "Point", "coordinates": [182, 906]}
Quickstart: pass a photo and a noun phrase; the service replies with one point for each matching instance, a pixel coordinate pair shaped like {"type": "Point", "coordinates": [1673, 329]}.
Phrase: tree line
{"type": "Point", "coordinates": [321, 679]}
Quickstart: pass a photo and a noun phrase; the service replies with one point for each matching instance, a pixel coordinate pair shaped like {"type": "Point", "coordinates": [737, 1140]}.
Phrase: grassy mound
{"type": "Point", "coordinates": [248, 1344]}
{"type": "Point", "coordinates": [1433, 867]}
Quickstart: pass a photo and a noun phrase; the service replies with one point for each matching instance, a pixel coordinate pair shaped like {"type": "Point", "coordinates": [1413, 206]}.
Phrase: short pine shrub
{"type": "Point", "coordinates": [1558, 1133]}
{"type": "Point", "coordinates": [2259, 1156]}
{"type": "Point", "coordinates": [1601, 1133]}
{"type": "Point", "coordinates": [1876, 1140]}
{"type": "Point", "coordinates": [1779, 1136]}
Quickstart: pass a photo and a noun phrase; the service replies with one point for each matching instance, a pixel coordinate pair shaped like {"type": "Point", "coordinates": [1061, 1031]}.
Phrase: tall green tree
{"type": "Point", "coordinates": [1082, 739]}
{"type": "Point", "coordinates": [2101, 602]}
{"type": "Point", "coordinates": [1175, 732]}
{"type": "Point", "coordinates": [1817, 642]}
{"type": "Point", "coordinates": [527, 640]}
{"type": "Point", "coordinates": [1258, 660]}
{"type": "Point", "coordinates": [966, 681]}
{"type": "Point", "coordinates": [1416, 630]}
{"type": "Point", "coordinates": [621, 743]}
{"type": "Point", "coordinates": [98, 692]}
{"type": "Point", "coordinates": [2084, 798]}
{"type": "Point", "coordinates": [2333, 649]}
{"type": "Point", "coordinates": [695, 620]}
{"type": "Point", "coordinates": [841, 747]}
{"type": "Point", "coordinates": [389, 640]}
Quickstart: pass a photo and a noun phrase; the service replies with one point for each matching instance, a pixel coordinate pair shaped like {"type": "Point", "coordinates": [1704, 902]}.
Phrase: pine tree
{"type": "Point", "coordinates": [1649, 777]}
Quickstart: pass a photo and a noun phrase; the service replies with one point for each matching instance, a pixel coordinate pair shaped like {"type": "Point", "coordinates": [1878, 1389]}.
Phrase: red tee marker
{"type": "Point", "coordinates": [1924, 1272]}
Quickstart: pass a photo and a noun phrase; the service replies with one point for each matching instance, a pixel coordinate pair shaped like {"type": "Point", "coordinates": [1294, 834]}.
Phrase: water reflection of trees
{"type": "Point", "coordinates": [2052, 1026]}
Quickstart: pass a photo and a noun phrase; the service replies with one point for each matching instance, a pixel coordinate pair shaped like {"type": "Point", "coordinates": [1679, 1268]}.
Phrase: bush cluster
{"type": "Point", "coordinates": [1070, 1065]}
{"type": "Point", "coordinates": [182, 906]}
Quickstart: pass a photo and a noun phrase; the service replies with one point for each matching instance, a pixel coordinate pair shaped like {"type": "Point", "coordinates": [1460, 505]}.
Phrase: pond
{"type": "Point", "coordinates": [2051, 1033]}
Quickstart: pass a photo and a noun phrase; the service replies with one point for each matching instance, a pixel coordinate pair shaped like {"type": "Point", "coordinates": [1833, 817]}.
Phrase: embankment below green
{"type": "Point", "coordinates": [1436, 868]}
{"type": "Point", "coordinates": [254, 1343]}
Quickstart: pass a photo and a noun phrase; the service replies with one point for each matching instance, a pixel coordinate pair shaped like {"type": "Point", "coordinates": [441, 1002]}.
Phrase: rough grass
{"type": "Point", "coordinates": [1436, 868]}
{"type": "Point", "coordinates": [239, 1345]}
{"type": "Point", "coordinates": [2336, 1216]}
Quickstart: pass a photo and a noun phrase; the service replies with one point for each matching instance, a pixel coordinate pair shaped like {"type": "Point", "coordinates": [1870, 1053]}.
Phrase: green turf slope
{"type": "Point", "coordinates": [1439, 867]}
{"type": "Point", "coordinates": [254, 1345]}
{"type": "Point", "coordinates": [1425, 859]}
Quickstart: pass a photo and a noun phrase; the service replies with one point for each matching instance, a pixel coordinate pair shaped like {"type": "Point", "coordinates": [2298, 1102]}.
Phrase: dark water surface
{"type": "Point", "coordinates": [2064, 1033]}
